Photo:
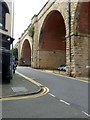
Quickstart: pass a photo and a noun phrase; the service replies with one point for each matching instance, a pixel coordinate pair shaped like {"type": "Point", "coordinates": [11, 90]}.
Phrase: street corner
{"type": "Point", "coordinates": [22, 87]}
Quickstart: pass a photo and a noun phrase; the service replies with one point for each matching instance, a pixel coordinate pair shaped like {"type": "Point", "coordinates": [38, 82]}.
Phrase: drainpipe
{"type": "Point", "coordinates": [12, 31]}
{"type": "Point", "coordinates": [69, 23]}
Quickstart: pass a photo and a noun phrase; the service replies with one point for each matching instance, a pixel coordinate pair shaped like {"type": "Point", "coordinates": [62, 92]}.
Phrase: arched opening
{"type": "Point", "coordinates": [52, 41]}
{"type": "Point", "coordinates": [26, 54]}
{"type": "Point", "coordinates": [4, 4]}
{"type": "Point", "coordinates": [3, 10]}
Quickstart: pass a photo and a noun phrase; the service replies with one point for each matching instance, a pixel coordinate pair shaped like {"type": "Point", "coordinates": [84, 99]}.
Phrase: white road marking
{"type": "Point", "coordinates": [51, 94]}
{"type": "Point", "coordinates": [65, 102]}
{"type": "Point", "coordinates": [86, 113]}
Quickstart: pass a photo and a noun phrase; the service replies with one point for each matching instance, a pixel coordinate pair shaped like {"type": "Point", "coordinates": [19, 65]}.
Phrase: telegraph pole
{"type": "Point", "coordinates": [69, 24]}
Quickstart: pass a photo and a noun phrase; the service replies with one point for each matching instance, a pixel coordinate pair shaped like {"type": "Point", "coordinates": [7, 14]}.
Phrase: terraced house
{"type": "Point", "coordinates": [6, 22]}
{"type": "Point", "coordinates": [61, 35]}
{"type": "Point", "coordinates": [6, 37]}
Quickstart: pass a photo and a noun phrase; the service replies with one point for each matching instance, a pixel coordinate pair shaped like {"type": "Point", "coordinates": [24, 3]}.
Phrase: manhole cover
{"type": "Point", "coordinates": [19, 89]}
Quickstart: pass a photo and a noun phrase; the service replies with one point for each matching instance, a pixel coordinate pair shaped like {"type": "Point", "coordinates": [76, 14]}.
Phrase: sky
{"type": "Point", "coordinates": [24, 10]}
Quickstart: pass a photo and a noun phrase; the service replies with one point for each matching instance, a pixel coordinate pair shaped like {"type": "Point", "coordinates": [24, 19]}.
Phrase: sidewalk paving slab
{"type": "Point", "coordinates": [19, 86]}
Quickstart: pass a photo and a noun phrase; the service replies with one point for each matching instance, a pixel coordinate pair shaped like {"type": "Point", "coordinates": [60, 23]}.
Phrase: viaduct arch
{"type": "Point", "coordinates": [24, 46]}
{"type": "Point", "coordinates": [51, 42]}
{"type": "Point", "coordinates": [26, 54]}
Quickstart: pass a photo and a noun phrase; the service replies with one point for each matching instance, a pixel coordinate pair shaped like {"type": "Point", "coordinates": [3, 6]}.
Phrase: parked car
{"type": "Point", "coordinates": [62, 67]}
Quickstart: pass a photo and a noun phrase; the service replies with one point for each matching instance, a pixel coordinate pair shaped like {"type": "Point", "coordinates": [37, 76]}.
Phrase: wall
{"type": "Point", "coordinates": [51, 59]}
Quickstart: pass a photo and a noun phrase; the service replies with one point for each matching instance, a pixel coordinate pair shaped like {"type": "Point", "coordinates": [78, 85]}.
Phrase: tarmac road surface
{"type": "Point", "coordinates": [67, 98]}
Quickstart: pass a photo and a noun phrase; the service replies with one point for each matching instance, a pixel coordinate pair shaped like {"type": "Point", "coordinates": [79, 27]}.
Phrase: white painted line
{"type": "Point", "coordinates": [51, 94]}
{"type": "Point", "coordinates": [65, 102]}
{"type": "Point", "coordinates": [86, 113]}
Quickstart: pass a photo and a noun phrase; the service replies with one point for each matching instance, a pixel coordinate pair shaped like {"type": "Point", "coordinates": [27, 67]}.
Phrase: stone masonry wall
{"type": "Point", "coordinates": [51, 59]}
{"type": "Point", "coordinates": [81, 55]}
{"type": "Point", "coordinates": [80, 45]}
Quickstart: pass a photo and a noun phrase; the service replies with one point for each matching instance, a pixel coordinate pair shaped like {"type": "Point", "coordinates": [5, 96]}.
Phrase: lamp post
{"type": "Point", "coordinates": [69, 24]}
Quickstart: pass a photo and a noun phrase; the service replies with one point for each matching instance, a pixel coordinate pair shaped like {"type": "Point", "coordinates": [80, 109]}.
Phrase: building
{"type": "Point", "coordinates": [6, 23]}
{"type": "Point", "coordinates": [6, 37]}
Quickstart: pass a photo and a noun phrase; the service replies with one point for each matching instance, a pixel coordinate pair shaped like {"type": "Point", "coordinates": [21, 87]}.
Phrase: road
{"type": "Point", "coordinates": [67, 98]}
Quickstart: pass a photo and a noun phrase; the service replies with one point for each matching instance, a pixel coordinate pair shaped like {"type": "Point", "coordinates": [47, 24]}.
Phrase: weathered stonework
{"type": "Point", "coordinates": [76, 53]}
{"type": "Point", "coordinates": [49, 59]}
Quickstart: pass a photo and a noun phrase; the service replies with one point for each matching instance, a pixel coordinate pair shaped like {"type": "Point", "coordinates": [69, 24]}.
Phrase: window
{"type": "Point", "coordinates": [3, 10]}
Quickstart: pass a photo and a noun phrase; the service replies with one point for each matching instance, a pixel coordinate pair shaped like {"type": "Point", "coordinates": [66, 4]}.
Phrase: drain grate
{"type": "Point", "coordinates": [19, 89]}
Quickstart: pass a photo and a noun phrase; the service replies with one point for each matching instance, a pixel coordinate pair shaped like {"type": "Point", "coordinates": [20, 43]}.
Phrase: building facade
{"type": "Point", "coordinates": [6, 38]}
{"type": "Point", "coordinates": [6, 23]}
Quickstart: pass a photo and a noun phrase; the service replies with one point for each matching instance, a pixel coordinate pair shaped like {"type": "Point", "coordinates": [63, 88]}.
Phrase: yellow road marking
{"type": "Point", "coordinates": [44, 91]}
{"type": "Point", "coordinates": [29, 79]}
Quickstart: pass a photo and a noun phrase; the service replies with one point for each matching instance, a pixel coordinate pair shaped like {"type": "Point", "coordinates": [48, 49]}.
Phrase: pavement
{"type": "Point", "coordinates": [19, 86]}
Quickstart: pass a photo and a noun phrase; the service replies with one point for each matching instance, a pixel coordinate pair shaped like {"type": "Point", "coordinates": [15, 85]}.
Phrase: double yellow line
{"type": "Point", "coordinates": [43, 92]}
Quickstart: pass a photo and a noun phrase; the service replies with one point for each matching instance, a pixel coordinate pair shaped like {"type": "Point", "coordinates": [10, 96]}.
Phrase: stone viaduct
{"type": "Point", "coordinates": [61, 36]}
